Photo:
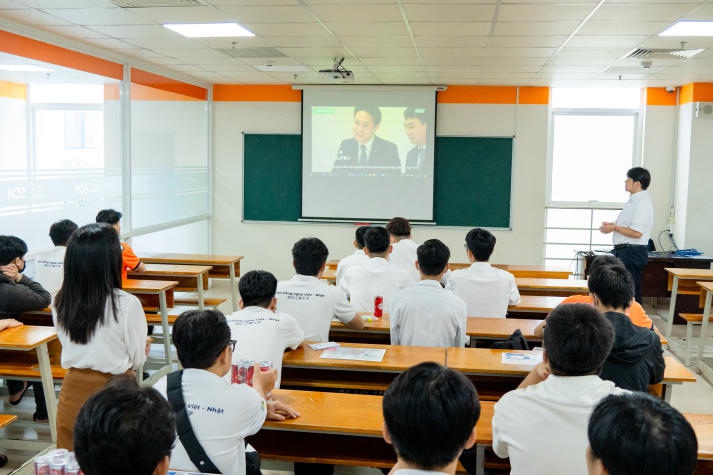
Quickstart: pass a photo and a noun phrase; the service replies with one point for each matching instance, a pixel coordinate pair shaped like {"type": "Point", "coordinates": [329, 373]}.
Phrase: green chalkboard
{"type": "Point", "coordinates": [473, 179]}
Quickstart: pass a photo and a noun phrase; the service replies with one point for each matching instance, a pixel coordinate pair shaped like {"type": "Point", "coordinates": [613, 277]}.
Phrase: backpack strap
{"type": "Point", "coordinates": [195, 451]}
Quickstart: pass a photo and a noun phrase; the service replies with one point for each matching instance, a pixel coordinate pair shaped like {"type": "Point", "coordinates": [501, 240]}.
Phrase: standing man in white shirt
{"type": "Point", "coordinates": [426, 314]}
{"type": "Point", "coordinates": [632, 228]}
{"type": "Point", "coordinates": [403, 248]}
{"type": "Point", "coordinates": [310, 300]}
{"type": "Point", "coordinates": [377, 277]}
{"type": "Point", "coordinates": [357, 258]}
{"type": "Point", "coordinates": [262, 333]}
{"type": "Point", "coordinates": [487, 290]}
{"type": "Point", "coordinates": [49, 266]}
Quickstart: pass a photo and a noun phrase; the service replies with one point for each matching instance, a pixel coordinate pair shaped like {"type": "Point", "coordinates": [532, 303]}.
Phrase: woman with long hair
{"type": "Point", "coordinates": [102, 328]}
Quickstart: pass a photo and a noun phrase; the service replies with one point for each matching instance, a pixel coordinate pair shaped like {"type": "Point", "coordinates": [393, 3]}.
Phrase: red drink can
{"type": "Point", "coordinates": [57, 464]}
{"type": "Point", "coordinates": [378, 306]}
{"type": "Point", "coordinates": [243, 367]}
{"type": "Point", "coordinates": [235, 374]}
{"type": "Point", "coordinates": [249, 376]}
{"type": "Point", "coordinates": [265, 365]}
{"type": "Point", "coordinates": [42, 465]}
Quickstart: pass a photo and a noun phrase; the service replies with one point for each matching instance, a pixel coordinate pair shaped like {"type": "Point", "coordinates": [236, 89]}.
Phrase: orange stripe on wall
{"type": "Point", "coordinates": [478, 95]}
{"type": "Point", "coordinates": [13, 90]}
{"type": "Point", "coordinates": [659, 96]}
{"type": "Point", "coordinates": [686, 94]}
{"type": "Point", "coordinates": [534, 95]}
{"type": "Point", "coordinates": [703, 91]}
{"type": "Point", "coordinates": [145, 93]}
{"type": "Point", "coordinates": [111, 92]}
{"type": "Point", "coordinates": [255, 93]}
{"type": "Point", "coordinates": [187, 91]}
{"type": "Point", "coordinates": [34, 49]}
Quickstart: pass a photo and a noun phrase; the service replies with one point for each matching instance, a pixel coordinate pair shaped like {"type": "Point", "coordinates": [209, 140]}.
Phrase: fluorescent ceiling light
{"type": "Point", "coordinates": [689, 28]}
{"type": "Point", "coordinates": [208, 30]}
{"type": "Point", "coordinates": [282, 68]}
{"type": "Point", "coordinates": [24, 68]}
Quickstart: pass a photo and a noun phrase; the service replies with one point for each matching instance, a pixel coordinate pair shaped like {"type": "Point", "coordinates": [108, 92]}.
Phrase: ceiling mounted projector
{"type": "Point", "coordinates": [338, 73]}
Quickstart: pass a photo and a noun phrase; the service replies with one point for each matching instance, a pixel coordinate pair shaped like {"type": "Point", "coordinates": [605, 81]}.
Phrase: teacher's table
{"type": "Point", "coordinates": [341, 429]}
{"type": "Point", "coordinates": [223, 267]}
{"type": "Point", "coordinates": [492, 377]}
{"type": "Point", "coordinates": [682, 281]}
{"type": "Point", "coordinates": [28, 338]}
{"type": "Point", "coordinates": [148, 291]}
{"type": "Point", "coordinates": [189, 278]}
{"type": "Point", "coordinates": [303, 367]}
{"type": "Point", "coordinates": [561, 287]}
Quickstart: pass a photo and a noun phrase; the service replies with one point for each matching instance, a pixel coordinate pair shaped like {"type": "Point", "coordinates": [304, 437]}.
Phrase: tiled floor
{"type": "Point", "coordinates": [689, 397]}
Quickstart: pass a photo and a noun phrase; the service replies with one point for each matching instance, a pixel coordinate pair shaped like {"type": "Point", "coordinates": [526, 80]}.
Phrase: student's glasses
{"type": "Point", "coordinates": [232, 344]}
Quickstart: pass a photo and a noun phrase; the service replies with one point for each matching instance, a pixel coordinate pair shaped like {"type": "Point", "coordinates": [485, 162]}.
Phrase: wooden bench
{"type": "Point", "coordinates": [692, 319]}
{"type": "Point", "coordinates": [6, 419]}
{"type": "Point", "coordinates": [208, 302]}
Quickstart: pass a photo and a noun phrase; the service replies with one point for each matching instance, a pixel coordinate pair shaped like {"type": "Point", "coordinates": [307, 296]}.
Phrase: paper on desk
{"type": "Point", "coordinates": [357, 354]}
{"type": "Point", "coordinates": [527, 358]}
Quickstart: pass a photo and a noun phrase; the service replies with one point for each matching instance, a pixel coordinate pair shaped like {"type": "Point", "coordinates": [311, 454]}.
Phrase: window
{"type": "Point", "coordinates": [594, 137]}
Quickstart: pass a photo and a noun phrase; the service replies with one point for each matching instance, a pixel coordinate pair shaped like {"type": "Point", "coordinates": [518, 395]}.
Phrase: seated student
{"type": "Point", "coordinates": [357, 258]}
{"type": "Point", "coordinates": [311, 301]}
{"type": "Point", "coordinates": [638, 433]}
{"type": "Point", "coordinates": [221, 414]}
{"type": "Point", "coordinates": [130, 262]}
{"type": "Point", "coordinates": [262, 333]}
{"type": "Point", "coordinates": [426, 314]}
{"type": "Point", "coordinates": [430, 414]}
{"type": "Point", "coordinates": [542, 425]}
{"type": "Point", "coordinates": [487, 290]}
{"type": "Point", "coordinates": [19, 293]}
{"type": "Point", "coordinates": [636, 359]}
{"type": "Point", "coordinates": [635, 312]}
{"type": "Point", "coordinates": [125, 429]}
{"type": "Point", "coordinates": [376, 277]}
{"type": "Point", "coordinates": [403, 248]}
{"type": "Point", "coordinates": [49, 266]}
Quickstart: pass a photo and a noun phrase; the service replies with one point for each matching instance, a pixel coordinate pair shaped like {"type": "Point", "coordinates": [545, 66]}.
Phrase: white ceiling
{"type": "Point", "coordinates": [489, 42]}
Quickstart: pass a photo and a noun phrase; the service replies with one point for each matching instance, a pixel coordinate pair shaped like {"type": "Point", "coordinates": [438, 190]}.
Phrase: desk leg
{"type": "Point", "coordinates": [480, 459]}
{"type": "Point", "coordinates": [201, 296]}
{"type": "Point", "coordinates": [163, 304]}
{"type": "Point", "coordinates": [666, 390]}
{"type": "Point", "coordinates": [48, 387]}
{"type": "Point", "coordinates": [672, 308]}
{"type": "Point", "coordinates": [704, 330]}
{"type": "Point", "coordinates": [233, 288]}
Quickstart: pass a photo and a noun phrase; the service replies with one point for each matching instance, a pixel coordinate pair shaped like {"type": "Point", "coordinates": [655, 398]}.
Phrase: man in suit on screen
{"type": "Point", "coordinates": [366, 152]}
{"type": "Point", "coordinates": [415, 127]}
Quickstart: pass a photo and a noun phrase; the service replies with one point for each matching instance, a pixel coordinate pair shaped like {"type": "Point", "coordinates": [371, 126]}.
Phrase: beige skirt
{"type": "Point", "coordinates": [77, 387]}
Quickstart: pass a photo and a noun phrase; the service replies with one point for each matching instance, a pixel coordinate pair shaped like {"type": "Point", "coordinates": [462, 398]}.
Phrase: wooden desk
{"type": "Point", "coordinates": [303, 368]}
{"type": "Point", "coordinates": [223, 267]}
{"type": "Point", "coordinates": [706, 293]}
{"type": "Point", "coordinates": [541, 272]}
{"type": "Point", "coordinates": [28, 338]}
{"type": "Point", "coordinates": [188, 278]}
{"type": "Point", "coordinates": [703, 427]}
{"type": "Point", "coordinates": [682, 281]}
{"type": "Point", "coordinates": [6, 419]}
{"type": "Point", "coordinates": [535, 305]}
{"type": "Point", "coordinates": [561, 287]}
{"type": "Point", "coordinates": [149, 290]}
{"type": "Point", "coordinates": [342, 429]}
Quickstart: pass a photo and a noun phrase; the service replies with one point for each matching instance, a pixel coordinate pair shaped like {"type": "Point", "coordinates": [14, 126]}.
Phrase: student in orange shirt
{"type": "Point", "coordinates": [129, 260]}
{"type": "Point", "coordinates": [635, 312]}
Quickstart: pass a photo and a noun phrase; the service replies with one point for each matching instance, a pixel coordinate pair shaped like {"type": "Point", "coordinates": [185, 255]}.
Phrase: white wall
{"type": "Point", "coordinates": [699, 218]}
{"type": "Point", "coordinates": [267, 245]}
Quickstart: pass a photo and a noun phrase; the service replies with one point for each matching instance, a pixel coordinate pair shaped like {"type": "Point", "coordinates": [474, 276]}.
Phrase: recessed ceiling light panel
{"type": "Point", "coordinates": [208, 30]}
{"type": "Point", "coordinates": [689, 28]}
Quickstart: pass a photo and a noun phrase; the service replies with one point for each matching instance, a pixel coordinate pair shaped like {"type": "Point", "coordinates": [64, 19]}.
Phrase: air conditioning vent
{"type": "Point", "coordinates": [662, 53]}
{"type": "Point", "coordinates": [157, 3]}
{"type": "Point", "coordinates": [257, 52]}
{"type": "Point", "coordinates": [704, 110]}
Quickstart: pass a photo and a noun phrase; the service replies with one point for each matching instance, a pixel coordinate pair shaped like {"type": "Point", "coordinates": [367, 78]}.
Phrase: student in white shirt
{"type": "Point", "coordinates": [357, 258]}
{"type": "Point", "coordinates": [542, 425]}
{"type": "Point", "coordinates": [426, 314]}
{"type": "Point", "coordinates": [430, 413]}
{"type": "Point", "coordinates": [221, 414]}
{"type": "Point", "coordinates": [487, 290]}
{"type": "Point", "coordinates": [377, 277]}
{"type": "Point", "coordinates": [49, 266]}
{"type": "Point", "coordinates": [403, 248]}
{"type": "Point", "coordinates": [310, 300]}
{"type": "Point", "coordinates": [262, 333]}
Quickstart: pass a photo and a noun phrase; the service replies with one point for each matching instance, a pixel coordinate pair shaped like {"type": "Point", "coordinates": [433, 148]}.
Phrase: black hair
{"type": "Point", "coordinates": [309, 255]}
{"type": "Point", "coordinates": [481, 243]}
{"type": "Point", "coordinates": [11, 247]}
{"type": "Point", "coordinates": [61, 230]}
{"type": "Point", "coordinates": [376, 239]}
{"type": "Point", "coordinates": [109, 216]}
{"type": "Point", "coordinates": [577, 340]}
{"type": "Point", "coordinates": [374, 112]}
{"type": "Point", "coordinates": [399, 227]}
{"type": "Point", "coordinates": [359, 236]}
{"type": "Point", "coordinates": [410, 112]}
{"type": "Point", "coordinates": [612, 285]}
{"type": "Point", "coordinates": [258, 288]}
{"type": "Point", "coordinates": [637, 433]}
{"type": "Point", "coordinates": [430, 412]}
{"type": "Point", "coordinates": [605, 260]}
{"type": "Point", "coordinates": [433, 257]}
{"type": "Point", "coordinates": [124, 429]}
{"type": "Point", "coordinates": [200, 336]}
{"type": "Point", "coordinates": [92, 270]}
{"type": "Point", "coordinates": [641, 175]}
